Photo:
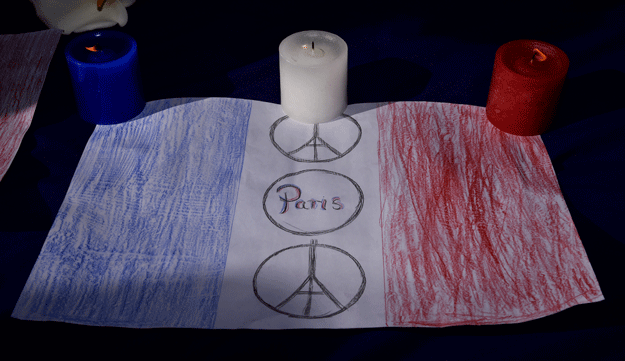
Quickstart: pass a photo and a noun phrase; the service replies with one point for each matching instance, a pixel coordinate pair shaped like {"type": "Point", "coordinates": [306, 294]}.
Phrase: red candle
{"type": "Point", "coordinates": [527, 80]}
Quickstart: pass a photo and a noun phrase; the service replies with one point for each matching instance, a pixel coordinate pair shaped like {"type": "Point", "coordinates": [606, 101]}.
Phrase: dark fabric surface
{"type": "Point", "coordinates": [441, 52]}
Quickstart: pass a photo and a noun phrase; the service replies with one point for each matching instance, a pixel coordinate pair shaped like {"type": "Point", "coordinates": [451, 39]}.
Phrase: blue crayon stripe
{"type": "Point", "coordinates": [141, 239]}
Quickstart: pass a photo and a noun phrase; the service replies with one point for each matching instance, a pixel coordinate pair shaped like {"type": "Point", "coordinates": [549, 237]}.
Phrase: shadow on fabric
{"type": "Point", "coordinates": [389, 79]}
{"type": "Point", "coordinates": [589, 95]}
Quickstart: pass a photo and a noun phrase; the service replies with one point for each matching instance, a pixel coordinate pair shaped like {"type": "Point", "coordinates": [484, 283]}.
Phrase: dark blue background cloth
{"type": "Point", "coordinates": [442, 52]}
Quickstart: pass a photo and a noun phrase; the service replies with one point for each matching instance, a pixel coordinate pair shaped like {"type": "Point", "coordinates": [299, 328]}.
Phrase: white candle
{"type": "Point", "coordinates": [313, 76]}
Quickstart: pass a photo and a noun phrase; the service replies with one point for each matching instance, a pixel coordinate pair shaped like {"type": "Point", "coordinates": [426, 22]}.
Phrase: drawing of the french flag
{"type": "Point", "coordinates": [471, 226]}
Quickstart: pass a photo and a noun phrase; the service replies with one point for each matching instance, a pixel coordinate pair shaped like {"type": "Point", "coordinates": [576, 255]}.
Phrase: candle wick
{"type": "Point", "coordinates": [538, 55]}
{"type": "Point", "coordinates": [100, 4]}
{"type": "Point", "coordinates": [94, 48]}
{"type": "Point", "coordinates": [313, 45]}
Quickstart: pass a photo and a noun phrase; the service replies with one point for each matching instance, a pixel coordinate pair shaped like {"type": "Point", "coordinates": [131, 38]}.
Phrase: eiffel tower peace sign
{"type": "Point", "coordinates": [318, 149]}
{"type": "Point", "coordinates": [311, 298]}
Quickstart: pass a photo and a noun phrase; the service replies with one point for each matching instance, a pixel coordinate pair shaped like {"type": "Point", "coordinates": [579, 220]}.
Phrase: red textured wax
{"type": "Point", "coordinates": [527, 80]}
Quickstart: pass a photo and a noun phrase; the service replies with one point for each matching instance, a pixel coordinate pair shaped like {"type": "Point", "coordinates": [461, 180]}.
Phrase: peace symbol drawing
{"type": "Point", "coordinates": [287, 284]}
{"type": "Point", "coordinates": [328, 141]}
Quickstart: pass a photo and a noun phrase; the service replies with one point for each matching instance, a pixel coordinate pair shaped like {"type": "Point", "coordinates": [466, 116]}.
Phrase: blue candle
{"type": "Point", "coordinates": [104, 68]}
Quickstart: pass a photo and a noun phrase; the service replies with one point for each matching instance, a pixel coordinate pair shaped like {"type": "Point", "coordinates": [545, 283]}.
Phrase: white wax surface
{"type": "Point", "coordinates": [313, 82]}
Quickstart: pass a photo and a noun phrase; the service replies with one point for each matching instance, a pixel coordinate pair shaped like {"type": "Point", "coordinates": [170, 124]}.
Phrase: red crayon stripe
{"type": "Point", "coordinates": [474, 227]}
{"type": "Point", "coordinates": [24, 61]}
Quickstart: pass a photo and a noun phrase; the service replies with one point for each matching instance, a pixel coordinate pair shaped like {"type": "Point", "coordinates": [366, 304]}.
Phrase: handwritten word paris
{"type": "Point", "coordinates": [293, 193]}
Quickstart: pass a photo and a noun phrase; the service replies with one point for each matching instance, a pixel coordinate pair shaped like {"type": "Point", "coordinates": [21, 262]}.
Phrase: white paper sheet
{"type": "Point", "coordinates": [224, 213]}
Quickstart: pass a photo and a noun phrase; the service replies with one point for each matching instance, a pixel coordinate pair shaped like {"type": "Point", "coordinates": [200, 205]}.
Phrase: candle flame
{"type": "Point", "coordinates": [92, 48]}
{"type": "Point", "coordinates": [541, 55]}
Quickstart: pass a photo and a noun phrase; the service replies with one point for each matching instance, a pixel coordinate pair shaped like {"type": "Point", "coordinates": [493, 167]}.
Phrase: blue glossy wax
{"type": "Point", "coordinates": [107, 83]}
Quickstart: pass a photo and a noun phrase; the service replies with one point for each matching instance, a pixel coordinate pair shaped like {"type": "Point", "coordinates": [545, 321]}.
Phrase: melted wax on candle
{"type": "Point", "coordinates": [98, 54]}
{"type": "Point", "coordinates": [532, 64]}
{"type": "Point", "coordinates": [311, 52]}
